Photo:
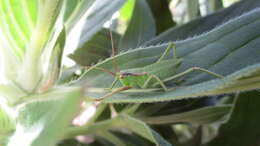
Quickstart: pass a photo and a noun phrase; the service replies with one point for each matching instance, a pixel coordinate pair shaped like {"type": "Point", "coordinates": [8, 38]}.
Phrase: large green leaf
{"type": "Point", "coordinates": [207, 23]}
{"type": "Point", "coordinates": [48, 23]}
{"type": "Point", "coordinates": [42, 122]}
{"type": "Point", "coordinates": [219, 50]}
{"type": "Point", "coordinates": [141, 27]}
{"type": "Point", "coordinates": [243, 126]}
{"type": "Point", "coordinates": [18, 20]}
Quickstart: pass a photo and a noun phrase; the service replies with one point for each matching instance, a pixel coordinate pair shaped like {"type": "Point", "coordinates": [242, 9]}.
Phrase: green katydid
{"type": "Point", "coordinates": [152, 75]}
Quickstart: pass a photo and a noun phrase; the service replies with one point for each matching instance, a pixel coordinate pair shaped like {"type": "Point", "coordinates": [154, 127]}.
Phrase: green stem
{"type": "Point", "coordinates": [32, 68]}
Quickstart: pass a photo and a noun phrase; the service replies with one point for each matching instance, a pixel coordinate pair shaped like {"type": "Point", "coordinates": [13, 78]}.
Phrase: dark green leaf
{"type": "Point", "coordinates": [142, 129]}
{"type": "Point", "coordinates": [200, 116]}
{"type": "Point", "coordinates": [242, 129]}
{"type": "Point", "coordinates": [207, 23]}
{"type": "Point", "coordinates": [96, 49]}
{"type": "Point", "coordinates": [69, 74]}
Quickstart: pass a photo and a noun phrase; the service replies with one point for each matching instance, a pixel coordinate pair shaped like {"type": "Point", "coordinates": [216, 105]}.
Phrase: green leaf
{"type": "Point", "coordinates": [75, 10]}
{"type": "Point", "coordinates": [219, 50]}
{"type": "Point", "coordinates": [18, 19]}
{"type": "Point", "coordinates": [205, 115]}
{"type": "Point", "coordinates": [101, 11]}
{"type": "Point", "coordinates": [112, 138]}
{"type": "Point", "coordinates": [132, 139]}
{"type": "Point", "coordinates": [47, 24]}
{"type": "Point", "coordinates": [7, 123]}
{"type": "Point", "coordinates": [205, 24]}
{"type": "Point", "coordinates": [54, 67]}
{"type": "Point", "coordinates": [142, 129]}
{"type": "Point", "coordinates": [141, 27]}
{"type": "Point", "coordinates": [120, 121]}
{"type": "Point", "coordinates": [127, 10]}
{"type": "Point", "coordinates": [17, 22]}
{"type": "Point", "coordinates": [96, 49]}
{"type": "Point", "coordinates": [69, 74]}
{"type": "Point", "coordinates": [243, 126]}
{"type": "Point", "coordinates": [42, 122]}
{"type": "Point", "coordinates": [11, 93]}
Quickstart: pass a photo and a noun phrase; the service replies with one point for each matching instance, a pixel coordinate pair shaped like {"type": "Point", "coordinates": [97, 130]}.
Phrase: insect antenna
{"type": "Point", "coordinates": [114, 50]}
{"type": "Point", "coordinates": [101, 69]}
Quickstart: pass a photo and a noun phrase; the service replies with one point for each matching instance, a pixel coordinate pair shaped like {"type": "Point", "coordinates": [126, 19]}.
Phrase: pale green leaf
{"type": "Point", "coordinates": [42, 122]}
{"type": "Point", "coordinates": [7, 123]}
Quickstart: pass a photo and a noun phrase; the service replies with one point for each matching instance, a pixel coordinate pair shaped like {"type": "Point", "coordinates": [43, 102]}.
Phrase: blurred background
{"type": "Point", "coordinates": [172, 12]}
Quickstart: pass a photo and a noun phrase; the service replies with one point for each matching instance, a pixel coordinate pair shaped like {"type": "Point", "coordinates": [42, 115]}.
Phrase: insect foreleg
{"type": "Point", "coordinates": [157, 79]}
{"type": "Point", "coordinates": [192, 70]}
{"type": "Point", "coordinates": [114, 92]}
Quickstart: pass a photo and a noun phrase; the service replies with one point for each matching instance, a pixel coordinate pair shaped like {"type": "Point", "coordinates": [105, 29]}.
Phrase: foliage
{"type": "Point", "coordinates": [41, 98]}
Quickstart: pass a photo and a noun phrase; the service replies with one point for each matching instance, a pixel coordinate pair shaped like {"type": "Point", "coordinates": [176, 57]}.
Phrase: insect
{"type": "Point", "coordinates": [152, 75]}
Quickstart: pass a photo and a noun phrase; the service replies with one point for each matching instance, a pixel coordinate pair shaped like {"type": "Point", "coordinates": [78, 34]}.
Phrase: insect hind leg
{"type": "Point", "coordinates": [113, 92]}
{"type": "Point", "coordinates": [159, 81]}
{"type": "Point", "coordinates": [192, 70]}
{"type": "Point", "coordinates": [167, 50]}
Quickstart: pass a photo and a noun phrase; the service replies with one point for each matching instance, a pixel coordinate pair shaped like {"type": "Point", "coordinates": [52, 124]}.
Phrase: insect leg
{"type": "Point", "coordinates": [166, 52]}
{"type": "Point", "coordinates": [114, 92]}
{"type": "Point", "coordinates": [157, 79]}
{"type": "Point", "coordinates": [192, 70]}
{"type": "Point", "coordinates": [113, 83]}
